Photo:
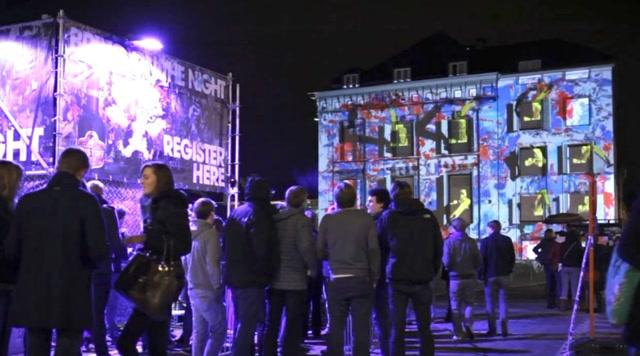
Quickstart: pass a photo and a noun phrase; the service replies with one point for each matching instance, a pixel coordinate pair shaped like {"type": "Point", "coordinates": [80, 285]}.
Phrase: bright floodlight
{"type": "Point", "coordinates": [150, 44]}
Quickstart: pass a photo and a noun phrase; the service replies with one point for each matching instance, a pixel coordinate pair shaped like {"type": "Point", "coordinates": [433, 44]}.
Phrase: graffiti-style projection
{"type": "Point", "coordinates": [533, 161]}
{"type": "Point", "coordinates": [513, 148]}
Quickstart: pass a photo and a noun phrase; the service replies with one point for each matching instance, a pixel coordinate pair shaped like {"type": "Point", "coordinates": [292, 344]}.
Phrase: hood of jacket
{"type": "Point", "coordinates": [408, 206]}
{"type": "Point", "coordinates": [286, 213]}
{"type": "Point", "coordinates": [201, 226]}
{"type": "Point", "coordinates": [257, 189]}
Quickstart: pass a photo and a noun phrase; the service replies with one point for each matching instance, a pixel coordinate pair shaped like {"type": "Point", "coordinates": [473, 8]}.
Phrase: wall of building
{"type": "Point", "coordinates": [463, 142]}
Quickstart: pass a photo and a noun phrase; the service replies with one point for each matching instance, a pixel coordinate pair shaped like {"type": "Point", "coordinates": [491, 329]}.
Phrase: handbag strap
{"type": "Point", "coordinates": [568, 250]}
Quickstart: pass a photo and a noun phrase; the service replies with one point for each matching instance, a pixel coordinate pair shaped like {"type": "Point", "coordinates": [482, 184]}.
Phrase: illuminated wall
{"type": "Point", "coordinates": [512, 148]}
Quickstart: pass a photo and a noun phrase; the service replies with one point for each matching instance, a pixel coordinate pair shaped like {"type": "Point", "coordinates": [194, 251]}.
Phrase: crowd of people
{"type": "Point", "coordinates": [62, 252]}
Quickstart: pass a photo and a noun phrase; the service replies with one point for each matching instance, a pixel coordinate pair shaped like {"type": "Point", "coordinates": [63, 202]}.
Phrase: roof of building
{"type": "Point", "coordinates": [430, 58]}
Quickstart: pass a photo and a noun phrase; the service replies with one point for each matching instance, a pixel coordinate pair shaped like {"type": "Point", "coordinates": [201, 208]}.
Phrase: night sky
{"type": "Point", "coordinates": [280, 51]}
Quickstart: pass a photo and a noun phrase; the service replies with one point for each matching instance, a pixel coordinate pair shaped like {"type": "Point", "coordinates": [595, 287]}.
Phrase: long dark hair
{"type": "Point", "coordinates": [164, 177]}
{"type": "Point", "coordinates": [10, 177]}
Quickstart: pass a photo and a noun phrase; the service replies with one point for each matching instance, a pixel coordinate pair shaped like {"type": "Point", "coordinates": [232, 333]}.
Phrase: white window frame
{"type": "Point", "coordinates": [402, 75]}
{"type": "Point", "coordinates": [457, 68]}
{"type": "Point", "coordinates": [351, 80]}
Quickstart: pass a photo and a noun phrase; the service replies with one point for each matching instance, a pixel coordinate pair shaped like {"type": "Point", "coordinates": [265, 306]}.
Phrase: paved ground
{"type": "Point", "coordinates": [534, 330]}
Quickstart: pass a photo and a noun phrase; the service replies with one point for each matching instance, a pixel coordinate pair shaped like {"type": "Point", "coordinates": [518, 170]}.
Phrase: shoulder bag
{"type": "Point", "coordinates": [152, 283]}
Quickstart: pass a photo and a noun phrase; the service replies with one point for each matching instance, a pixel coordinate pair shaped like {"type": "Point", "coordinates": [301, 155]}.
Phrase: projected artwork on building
{"type": "Point", "coordinates": [580, 158]}
{"type": "Point", "coordinates": [579, 204]}
{"type": "Point", "coordinates": [460, 197]}
{"type": "Point", "coordinates": [533, 207]}
{"type": "Point", "coordinates": [533, 161]}
{"type": "Point", "coordinates": [510, 148]}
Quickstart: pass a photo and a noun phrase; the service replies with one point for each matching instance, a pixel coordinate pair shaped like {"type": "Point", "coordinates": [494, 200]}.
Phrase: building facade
{"type": "Point", "coordinates": [485, 146]}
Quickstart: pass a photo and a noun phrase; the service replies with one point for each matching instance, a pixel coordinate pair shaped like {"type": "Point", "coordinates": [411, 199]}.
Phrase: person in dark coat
{"type": "Point", "coordinates": [629, 251]}
{"type": "Point", "coordinates": [297, 260]}
{"type": "Point", "coordinates": [101, 279]}
{"type": "Point", "coordinates": [571, 258]}
{"type": "Point", "coordinates": [498, 259]}
{"type": "Point", "coordinates": [166, 224]}
{"type": "Point", "coordinates": [411, 233]}
{"type": "Point", "coordinates": [10, 177]}
{"type": "Point", "coordinates": [377, 203]}
{"type": "Point", "coordinates": [57, 241]}
{"type": "Point", "coordinates": [548, 255]}
{"type": "Point", "coordinates": [251, 261]}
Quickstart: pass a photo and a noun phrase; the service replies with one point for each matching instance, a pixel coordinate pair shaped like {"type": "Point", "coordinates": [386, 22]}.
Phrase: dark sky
{"type": "Point", "coordinates": [279, 51]}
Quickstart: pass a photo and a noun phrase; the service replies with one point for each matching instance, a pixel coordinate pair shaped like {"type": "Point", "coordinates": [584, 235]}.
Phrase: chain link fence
{"type": "Point", "coordinates": [122, 195]}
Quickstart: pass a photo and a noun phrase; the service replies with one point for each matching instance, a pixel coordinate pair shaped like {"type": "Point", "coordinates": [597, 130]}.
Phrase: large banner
{"type": "Point", "coordinates": [27, 115]}
{"type": "Point", "coordinates": [125, 106]}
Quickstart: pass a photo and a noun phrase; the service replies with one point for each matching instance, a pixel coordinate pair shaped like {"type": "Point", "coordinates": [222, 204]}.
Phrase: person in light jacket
{"type": "Point", "coordinates": [462, 259]}
{"type": "Point", "coordinates": [206, 290]}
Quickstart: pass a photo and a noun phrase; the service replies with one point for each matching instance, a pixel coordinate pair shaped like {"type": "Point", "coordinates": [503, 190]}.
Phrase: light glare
{"type": "Point", "coordinates": [151, 44]}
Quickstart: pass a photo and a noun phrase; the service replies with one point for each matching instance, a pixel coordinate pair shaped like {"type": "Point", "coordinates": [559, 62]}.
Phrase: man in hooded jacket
{"type": "Point", "coordinates": [411, 234]}
{"type": "Point", "coordinates": [250, 255]}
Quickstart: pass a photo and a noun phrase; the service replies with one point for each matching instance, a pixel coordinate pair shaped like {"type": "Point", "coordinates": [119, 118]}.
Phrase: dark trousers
{"type": "Point", "coordinates": [187, 319]}
{"type": "Point", "coordinates": [551, 278]}
{"type": "Point", "coordinates": [137, 325]}
{"type": "Point", "coordinates": [381, 317]}
{"type": "Point", "coordinates": [292, 302]}
{"type": "Point", "coordinates": [421, 298]}
{"type": "Point", "coordinates": [248, 306]}
{"type": "Point", "coordinates": [112, 310]}
{"type": "Point", "coordinates": [350, 296]}
{"type": "Point", "coordinates": [68, 342]}
{"type": "Point", "coordinates": [100, 287]}
{"type": "Point", "coordinates": [313, 307]}
{"type": "Point", "coordinates": [5, 329]}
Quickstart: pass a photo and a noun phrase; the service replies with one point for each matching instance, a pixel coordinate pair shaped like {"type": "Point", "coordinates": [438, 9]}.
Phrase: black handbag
{"type": "Point", "coordinates": [151, 283]}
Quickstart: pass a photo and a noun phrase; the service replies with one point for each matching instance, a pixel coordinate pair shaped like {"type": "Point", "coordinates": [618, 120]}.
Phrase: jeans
{"type": "Point", "coordinates": [248, 306]}
{"type": "Point", "coordinates": [381, 317]}
{"type": "Point", "coordinates": [421, 298]}
{"type": "Point", "coordinates": [38, 342]}
{"type": "Point", "coordinates": [570, 276]}
{"type": "Point", "coordinates": [350, 296]}
{"type": "Point", "coordinates": [157, 334]}
{"type": "Point", "coordinates": [462, 295]}
{"type": "Point", "coordinates": [551, 278]}
{"type": "Point", "coordinates": [5, 329]}
{"type": "Point", "coordinates": [209, 323]}
{"type": "Point", "coordinates": [495, 291]}
{"type": "Point", "coordinates": [292, 302]}
{"type": "Point", "coordinates": [100, 287]}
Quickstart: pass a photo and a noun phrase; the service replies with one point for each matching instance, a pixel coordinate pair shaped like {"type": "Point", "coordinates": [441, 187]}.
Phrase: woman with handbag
{"type": "Point", "coordinates": [166, 238]}
{"type": "Point", "coordinates": [10, 177]}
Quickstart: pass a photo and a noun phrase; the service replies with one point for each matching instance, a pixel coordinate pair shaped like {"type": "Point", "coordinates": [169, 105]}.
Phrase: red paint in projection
{"type": "Point", "coordinates": [564, 105]}
{"type": "Point", "coordinates": [484, 152]}
{"type": "Point", "coordinates": [609, 200]}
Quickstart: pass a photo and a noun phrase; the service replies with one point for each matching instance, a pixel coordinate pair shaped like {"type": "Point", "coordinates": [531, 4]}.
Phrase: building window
{"type": "Point", "coordinates": [401, 75]}
{"type": "Point", "coordinates": [458, 68]}
{"type": "Point", "coordinates": [351, 80]}
{"type": "Point", "coordinates": [529, 65]}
